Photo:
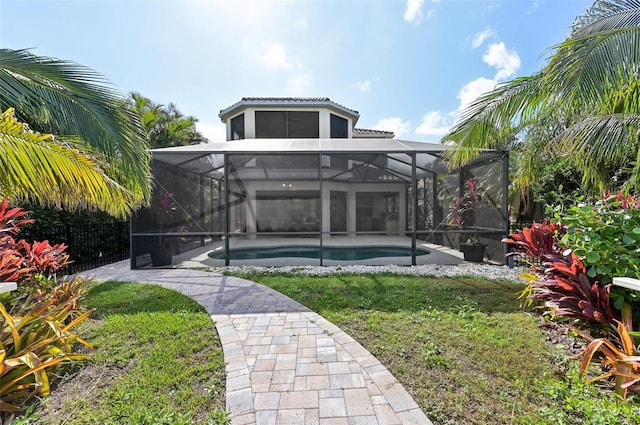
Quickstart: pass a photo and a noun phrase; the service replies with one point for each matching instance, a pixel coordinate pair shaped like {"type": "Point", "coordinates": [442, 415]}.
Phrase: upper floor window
{"type": "Point", "coordinates": [287, 124]}
{"type": "Point", "coordinates": [237, 127]}
{"type": "Point", "coordinates": [339, 127]}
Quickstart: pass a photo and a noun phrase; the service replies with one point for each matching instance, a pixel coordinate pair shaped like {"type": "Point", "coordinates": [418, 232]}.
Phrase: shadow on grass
{"type": "Point", "coordinates": [131, 297]}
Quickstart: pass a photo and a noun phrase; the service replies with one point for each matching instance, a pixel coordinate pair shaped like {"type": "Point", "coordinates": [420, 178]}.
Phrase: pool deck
{"type": "Point", "coordinates": [439, 254]}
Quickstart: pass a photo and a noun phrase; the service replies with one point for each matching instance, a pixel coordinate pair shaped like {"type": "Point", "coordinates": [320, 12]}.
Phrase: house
{"type": "Point", "coordinates": [298, 169]}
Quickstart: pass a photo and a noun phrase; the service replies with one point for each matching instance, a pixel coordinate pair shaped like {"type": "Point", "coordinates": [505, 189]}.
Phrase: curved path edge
{"type": "Point", "coordinates": [285, 364]}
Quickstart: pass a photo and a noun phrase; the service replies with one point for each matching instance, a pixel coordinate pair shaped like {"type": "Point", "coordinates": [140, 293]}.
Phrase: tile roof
{"type": "Point", "coordinates": [286, 101]}
{"type": "Point", "coordinates": [366, 132]}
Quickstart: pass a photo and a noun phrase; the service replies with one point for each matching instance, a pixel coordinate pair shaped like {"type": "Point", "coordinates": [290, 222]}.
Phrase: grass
{"type": "Point", "coordinates": [460, 346]}
{"type": "Point", "coordinates": [157, 359]}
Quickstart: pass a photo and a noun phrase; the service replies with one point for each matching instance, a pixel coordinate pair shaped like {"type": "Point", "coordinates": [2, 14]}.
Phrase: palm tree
{"type": "Point", "coordinates": [592, 77]}
{"type": "Point", "coordinates": [166, 125]}
{"type": "Point", "coordinates": [100, 159]}
{"type": "Point", "coordinates": [38, 168]}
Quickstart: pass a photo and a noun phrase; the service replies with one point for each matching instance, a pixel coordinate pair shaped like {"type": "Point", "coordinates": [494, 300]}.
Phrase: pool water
{"type": "Point", "coordinates": [343, 253]}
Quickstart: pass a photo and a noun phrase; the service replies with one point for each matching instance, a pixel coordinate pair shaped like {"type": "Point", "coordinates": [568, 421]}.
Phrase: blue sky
{"type": "Point", "coordinates": [407, 66]}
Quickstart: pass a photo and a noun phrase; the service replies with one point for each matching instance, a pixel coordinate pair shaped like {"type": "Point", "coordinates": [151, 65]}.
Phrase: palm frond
{"type": "Point", "coordinates": [36, 168]}
{"type": "Point", "coordinates": [584, 69]}
{"type": "Point", "coordinates": [510, 107]}
{"type": "Point", "coordinates": [65, 98]}
{"type": "Point", "coordinates": [604, 144]}
{"type": "Point", "coordinates": [606, 15]}
{"type": "Point", "coordinates": [593, 75]}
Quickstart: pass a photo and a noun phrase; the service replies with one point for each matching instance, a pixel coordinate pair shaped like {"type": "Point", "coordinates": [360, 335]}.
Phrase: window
{"type": "Point", "coordinates": [393, 203]}
{"type": "Point", "coordinates": [237, 127]}
{"type": "Point", "coordinates": [339, 127]}
{"type": "Point", "coordinates": [271, 124]}
{"type": "Point", "coordinates": [287, 124]}
{"type": "Point", "coordinates": [303, 125]}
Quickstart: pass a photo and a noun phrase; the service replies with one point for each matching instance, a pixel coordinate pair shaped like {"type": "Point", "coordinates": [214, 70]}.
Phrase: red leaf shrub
{"type": "Point", "coordinates": [9, 223]}
{"type": "Point", "coordinates": [567, 291]}
{"type": "Point", "coordinates": [12, 266]}
{"type": "Point", "coordinates": [539, 241]}
{"type": "Point", "coordinates": [43, 257]}
{"type": "Point", "coordinates": [562, 283]}
{"type": "Point", "coordinates": [27, 264]}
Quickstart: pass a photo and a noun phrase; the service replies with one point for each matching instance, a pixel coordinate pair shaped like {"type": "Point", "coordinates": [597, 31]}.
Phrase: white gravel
{"type": "Point", "coordinates": [466, 269]}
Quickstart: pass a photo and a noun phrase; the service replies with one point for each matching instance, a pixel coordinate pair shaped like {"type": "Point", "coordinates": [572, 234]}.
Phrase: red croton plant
{"type": "Point", "coordinates": [21, 261]}
{"type": "Point", "coordinates": [566, 290]}
{"type": "Point", "coordinates": [562, 283]}
{"type": "Point", "coordinates": [37, 320]}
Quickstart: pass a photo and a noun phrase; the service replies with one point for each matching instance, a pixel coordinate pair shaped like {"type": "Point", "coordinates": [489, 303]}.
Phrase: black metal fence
{"type": "Point", "coordinates": [90, 245]}
{"type": "Point", "coordinates": [519, 260]}
{"type": "Point", "coordinates": [519, 225]}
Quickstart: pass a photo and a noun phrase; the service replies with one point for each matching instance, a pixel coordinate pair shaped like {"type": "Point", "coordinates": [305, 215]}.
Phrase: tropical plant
{"type": "Point", "coordinates": [578, 256]}
{"type": "Point", "coordinates": [539, 242]}
{"type": "Point", "coordinates": [540, 173]}
{"type": "Point", "coordinates": [165, 125]}
{"type": "Point", "coordinates": [11, 260]}
{"type": "Point", "coordinates": [101, 159]}
{"type": "Point", "coordinates": [592, 77]}
{"type": "Point", "coordinates": [70, 177]}
{"type": "Point", "coordinates": [32, 265]}
{"type": "Point", "coordinates": [34, 339]}
{"type": "Point", "coordinates": [559, 278]}
{"type": "Point", "coordinates": [36, 321]}
{"type": "Point", "coordinates": [462, 213]}
{"type": "Point", "coordinates": [567, 291]}
{"type": "Point", "coordinates": [605, 234]}
{"type": "Point", "coordinates": [619, 357]}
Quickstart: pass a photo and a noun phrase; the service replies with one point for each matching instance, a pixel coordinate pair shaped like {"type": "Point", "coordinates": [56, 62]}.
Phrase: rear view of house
{"type": "Point", "coordinates": [297, 182]}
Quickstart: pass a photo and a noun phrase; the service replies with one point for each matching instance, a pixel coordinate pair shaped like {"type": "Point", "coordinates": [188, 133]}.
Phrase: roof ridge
{"type": "Point", "coordinates": [300, 100]}
{"type": "Point", "coordinates": [372, 130]}
{"type": "Point", "coordinates": [286, 98]}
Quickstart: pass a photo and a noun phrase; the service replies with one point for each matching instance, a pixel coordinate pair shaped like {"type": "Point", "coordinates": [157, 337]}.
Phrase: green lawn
{"type": "Point", "coordinates": [157, 359]}
{"type": "Point", "coordinates": [461, 346]}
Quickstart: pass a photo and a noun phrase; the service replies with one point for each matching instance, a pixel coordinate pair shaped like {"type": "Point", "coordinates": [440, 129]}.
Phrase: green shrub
{"type": "Point", "coordinates": [37, 320]}
{"type": "Point", "coordinates": [33, 339]}
{"type": "Point", "coordinates": [580, 254]}
{"type": "Point", "coordinates": [605, 235]}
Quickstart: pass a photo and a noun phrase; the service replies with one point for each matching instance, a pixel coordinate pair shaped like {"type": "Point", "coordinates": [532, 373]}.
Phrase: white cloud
{"type": "Point", "coordinates": [470, 91]}
{"type": "Point", "coordinates": [299, 84]}
{"type": "Point", "coordinates": [480, 37]}
{"type": "Point", "coordinates": [414, 11]}
{"type": "Point", "coordinates": [435, 124]}
{"type": "Point", "coordinates": [364, 86]}
{"type": "Point", "coordinates": [213, 132]}
{"type": "Point", "coordinates": [275, 56]}
{"type": "Point", "coordinates": [507, 62]}
{"type": "Point", "coordinates": [394, 124]}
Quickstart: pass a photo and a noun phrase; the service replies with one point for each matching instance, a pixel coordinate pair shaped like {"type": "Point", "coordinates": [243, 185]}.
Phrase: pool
{"type": "Point", "coordinates": [343, 253]}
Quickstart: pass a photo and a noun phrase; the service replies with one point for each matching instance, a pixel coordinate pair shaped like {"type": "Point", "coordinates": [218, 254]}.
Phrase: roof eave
{"type": "Point", "coordinates": [244, 104]}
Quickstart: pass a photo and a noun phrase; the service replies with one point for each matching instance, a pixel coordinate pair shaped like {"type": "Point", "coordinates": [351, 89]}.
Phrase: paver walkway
{"type": "Point", "coordinates": [285, 364]}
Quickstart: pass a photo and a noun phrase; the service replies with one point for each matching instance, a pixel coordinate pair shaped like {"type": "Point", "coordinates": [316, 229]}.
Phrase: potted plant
{"type": "Point", "coordinates": [162, 253]}
{"type": "Point", "coordinates": [462, 215]}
